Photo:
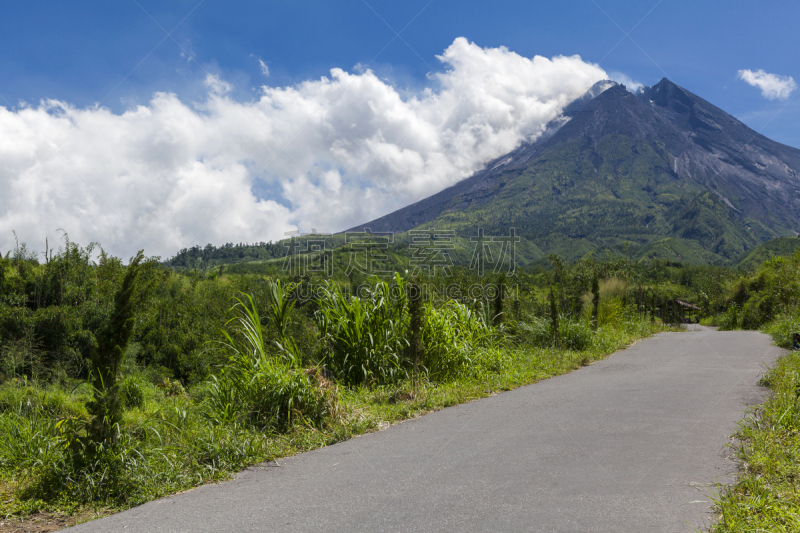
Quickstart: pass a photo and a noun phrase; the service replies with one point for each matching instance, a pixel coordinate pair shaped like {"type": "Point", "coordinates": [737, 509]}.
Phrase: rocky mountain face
{"type": "Point", "coordinates": [662, 164]}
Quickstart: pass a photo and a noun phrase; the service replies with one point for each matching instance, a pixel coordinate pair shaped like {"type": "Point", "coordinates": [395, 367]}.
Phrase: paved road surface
{"type": "Point", "coordinates": [631, 443]}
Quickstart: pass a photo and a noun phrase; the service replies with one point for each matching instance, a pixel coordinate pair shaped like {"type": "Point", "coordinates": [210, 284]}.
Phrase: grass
{"type": "Point", "coordinates": [174, 440]}
{"type": "Point", "coordinates": [766, 496]}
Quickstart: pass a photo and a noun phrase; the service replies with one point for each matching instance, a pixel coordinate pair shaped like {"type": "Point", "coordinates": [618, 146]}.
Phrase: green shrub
{"type": "Point", "coordinates": [576, 335]}
{"type": "Point", "coordinates": [610, 311]}
{"type": "Point", "coordinates": [132, 392]}
{"type": "Point", "coordinates": [451, 336]}
{"type": "Point", "coordinates": [772, 291]}
{"type": "Point", "coordinates": [730, 319]}
{"type": "Point", "coordinates": [264, 389]}
{"type": "Point", "coordinates": [365, 338]}
{"type": "Point", "coordinates": [271, 395]}
{"type": "Point", "coordinates": [171, 387]}
{"type": "Point", "coordinates": [536, 331]}
{"type": "Point", "coordinates": [91, 472]}
{"type": "Point", "coordinates": [781, 329]}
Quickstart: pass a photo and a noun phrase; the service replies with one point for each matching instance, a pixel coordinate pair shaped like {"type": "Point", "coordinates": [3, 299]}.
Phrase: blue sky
{"type": "Point", "coordinates": [234, 127]}
{"type": "Point", "coordinates": [80, 51]}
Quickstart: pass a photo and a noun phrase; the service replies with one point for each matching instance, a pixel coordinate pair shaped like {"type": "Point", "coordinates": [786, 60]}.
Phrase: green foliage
{"type": "Point", "coordinates": [28, 440]}
{"type": "Point", "coordinates": [106, 355]}
{"type": "Point", "coordinates": [454, 338]}
{"type": "Point", "coordinates": [773, 290]}
{"type": "Point", "coordinates": [415, 322]}
{"type": "Point", "coordinates": [171, 387]}
{"type": "Point", "coordinates": [708, 221]}
{"type": "Point", "coordinates": [780, 247]}
{"type": "Point", "coordinates": [575, 335]}
{"type": "Point", "coordinates": [132, 392]}
{"type": "Point", "coordinates": [782, 329]}
{"type": "Point", "coordinates": [265, 389]}
{"type": "Point", "coordinates": [766, 496]}
{"type": "Point", "coordinates": [279, 309]}
{"type": "Point", "coordinates": [365, 338]}
{"type": "Point", "coordinates": [197, 404]}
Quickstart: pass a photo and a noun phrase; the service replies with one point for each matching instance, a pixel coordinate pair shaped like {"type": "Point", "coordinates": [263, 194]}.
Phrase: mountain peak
{"type": "Point", "coordinates": [595, 90]}
{"type": "Point", "coordinates": [667, 94]}
{"type": "Point", "coordinates": [617, 166]}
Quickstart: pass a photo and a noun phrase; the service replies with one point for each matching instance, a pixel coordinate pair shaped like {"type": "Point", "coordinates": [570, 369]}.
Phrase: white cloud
{"type": "Point", "coordinates": [216, 85]}
{"type": "Point", "coordinates": [264, 67]}
{"type": "Point", "coordinates": [773, 86]}
{"type": "Point", "coordinates": [625, 80]}
{"type": "Point", "coordinates": [327, 153]}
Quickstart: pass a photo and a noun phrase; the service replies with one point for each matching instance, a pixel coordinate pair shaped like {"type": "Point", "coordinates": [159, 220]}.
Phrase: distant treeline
{"type": "Point", "coordinates": [210, 255]}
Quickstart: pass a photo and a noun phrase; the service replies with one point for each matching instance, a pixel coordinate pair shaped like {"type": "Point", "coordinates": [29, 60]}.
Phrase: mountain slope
{"type": "Point", "coordinates": [782, 247]}
{"type": "Point", "coordinates": [663, 163]}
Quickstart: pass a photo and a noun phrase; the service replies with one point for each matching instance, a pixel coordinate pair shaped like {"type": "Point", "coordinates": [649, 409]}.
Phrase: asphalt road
{"type": "Point", "coordinates": [632, 443]}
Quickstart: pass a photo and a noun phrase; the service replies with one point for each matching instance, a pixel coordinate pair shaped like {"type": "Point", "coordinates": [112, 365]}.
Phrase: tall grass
{"type": "Point", "coordinates": [265, 388]}
{"type": "Point", "coordinates": [366, 339]}
{"type": "Point", "coordinates": [454, 337]}
{"type": "Point", "coordinates": [574, 333]}
{"type": "Point", "coordinates": [268, 398]}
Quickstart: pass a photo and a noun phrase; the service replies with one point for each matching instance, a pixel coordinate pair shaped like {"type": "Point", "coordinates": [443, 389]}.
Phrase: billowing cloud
{"type": "Point", "coordinates": [629, 83]}
{"type": "Point", "coordinates": [773, 86]}
{"type": "Point", "coordinates": [327, 153]}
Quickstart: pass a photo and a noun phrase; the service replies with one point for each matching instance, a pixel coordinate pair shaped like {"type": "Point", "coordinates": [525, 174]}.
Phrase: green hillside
{"type": "Point", "coordinates": [576, 199]}
{"type": "Point", "coordinates": [781, 247]}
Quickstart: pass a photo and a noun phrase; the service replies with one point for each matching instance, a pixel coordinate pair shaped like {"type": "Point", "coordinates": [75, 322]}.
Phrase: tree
{"type": "Point", "coordinates": [554, 318]}
{"type": "Point", "coordinates": [595, 300]}
{"type": "Point", "coordinates": [105, 355]}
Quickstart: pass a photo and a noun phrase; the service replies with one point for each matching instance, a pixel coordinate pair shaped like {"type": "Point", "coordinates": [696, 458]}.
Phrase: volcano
{"type": "Point", "coordinates": [661, 169]}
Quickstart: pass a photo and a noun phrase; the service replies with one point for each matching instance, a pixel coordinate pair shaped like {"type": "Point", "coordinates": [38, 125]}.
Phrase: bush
{"type": "Point", "coordinates": [266, 390]}
{"type": "Point", "coordinates": [365, 338]}
{"type": "Point", "coordinates": [575, 335]}
{"type": "Point", "coordinates": [536, 331]}
{"type": "Point", "coordinates": [171, 387]}
{"type": "Point", "coordinates": [451, 337]}
{"type": "Point", "coordinates": [781, 329]}
{"type": "Point", "coordinates": [774, 290]}
{"type": "Point", "coordinates": [268, 396]}
{"type": "Point", "coordinates": [131, 392]}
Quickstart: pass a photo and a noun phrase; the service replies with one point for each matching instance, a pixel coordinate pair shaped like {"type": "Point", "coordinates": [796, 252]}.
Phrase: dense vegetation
{"type": "Point", "coordinates": [121, 383]}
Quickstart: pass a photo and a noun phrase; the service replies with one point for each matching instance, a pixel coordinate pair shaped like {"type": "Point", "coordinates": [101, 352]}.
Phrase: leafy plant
{"type": "Point", "coordinates": [106, 408]}
{"type": "Point", "coordinates": [366, 338]}
{"type": "Point", "coordinates": [131, 391]}
{"type": "Point", "coordinates": [453, 336]}
{"type": "Point", "coordinates": [266, 389]}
